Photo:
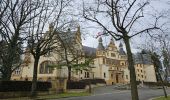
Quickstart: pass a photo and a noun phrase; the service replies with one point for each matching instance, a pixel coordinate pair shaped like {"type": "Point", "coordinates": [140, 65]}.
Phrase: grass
{"type": "Point", "coordinates": [162, 98]}
{"type": "Point", "coordinates": [63, 95]}
{"type": "Point", "coordinates": [54, 96]}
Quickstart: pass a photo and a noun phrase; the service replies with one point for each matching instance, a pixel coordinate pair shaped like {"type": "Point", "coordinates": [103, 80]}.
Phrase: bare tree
{"type": "Point", "coordinates": [40, 42]}
{"type": "Point", "coordinates": [165, 52]}
{"type": "Point", "coordinates": [157, 46]}
{"type": "Point", "coordinates": [14, 16]}
{"type": "Point", "coordinates": [70, 50]}
{"type": "Point", "coordinates": [157, 64]}
{"type": "Point", "coordinates": [160, 43]}
{"type": "Point", "coordinates": [120, 18]}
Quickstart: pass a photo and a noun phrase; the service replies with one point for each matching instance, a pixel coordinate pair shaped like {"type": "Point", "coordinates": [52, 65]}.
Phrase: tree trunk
{"type": "Point", "coordinates": [34, 80]}
{"type": "Point", "coordinates": [134, 91]}
{"type": "Point", "coordinates": [6, 76]}
{"type": "Point", "coordinates": [69, 73]}
{"type": "Point", "coordinates": [164, 90]}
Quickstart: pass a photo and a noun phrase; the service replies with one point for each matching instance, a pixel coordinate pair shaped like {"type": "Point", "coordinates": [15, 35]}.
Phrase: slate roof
{"type": "Point", "coordinates": [100, 45]}
{"type": "Point", "coordinates": [89, 51]}
{"type": "Point", "coordinates": [68, 37]}
{"type": "Point", "coordinates": [121, 50]}
{"type": "Point", "coordinates": [140, 58]}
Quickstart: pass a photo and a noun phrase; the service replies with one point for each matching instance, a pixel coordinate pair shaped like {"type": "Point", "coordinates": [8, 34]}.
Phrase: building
{"type": "Point", "coordinates": [109, 63]}
{"type": "Point", "coordinates": [72, 42]}
{"type": "Point", "coordinates": [144, 68]}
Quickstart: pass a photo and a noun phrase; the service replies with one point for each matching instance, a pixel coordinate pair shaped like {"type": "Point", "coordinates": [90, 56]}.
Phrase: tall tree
{"type": "Point", "coordinates": [159, 43]}
{"type": "Point", "coordinates": [70, 50]}
{"type": "Point", "coordinates": [120, 19]}
{"type": "Point", "coordinates": [157, 65]}
{"type": "Point", "coordinates": [14, 16]}
{"type": "Point", "coordinates": [40, 42]}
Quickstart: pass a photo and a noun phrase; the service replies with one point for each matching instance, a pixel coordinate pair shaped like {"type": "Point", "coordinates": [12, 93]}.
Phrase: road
{"type": "Point", "coordinates": [110, 93]}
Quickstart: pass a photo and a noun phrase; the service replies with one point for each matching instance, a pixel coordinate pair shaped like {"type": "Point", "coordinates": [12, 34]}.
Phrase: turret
{"type": "Point", "coordinates": [112, 41]}
{"type": "Point", "coordinates": [100, 45]}
{"type": "Point", "coordinates": [121, 50]}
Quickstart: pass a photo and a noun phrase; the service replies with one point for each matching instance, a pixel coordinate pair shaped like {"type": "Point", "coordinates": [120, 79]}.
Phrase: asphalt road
{"type": "Point", "coordinates": [110, 93]}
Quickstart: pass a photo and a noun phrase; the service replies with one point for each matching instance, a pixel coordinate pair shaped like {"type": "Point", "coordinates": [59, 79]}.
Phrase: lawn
{"type": "Point", "coordinates": [63, 95]}
{"type": "Point", "coordinates": [162, 98]}
{"type": "Point", "coordinates": [46, 97]}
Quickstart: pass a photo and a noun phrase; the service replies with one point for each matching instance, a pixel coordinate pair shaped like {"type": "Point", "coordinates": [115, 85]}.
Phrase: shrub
{"type": "Point", "coordinates": [82, 83]}
{"type": "Point", "coordinates": [156, 83]}
{"type": "Point", "coordinates": [76, 85]}
{"type": "Point", "coordinates": [9, 86]}
{"type": "Point", "coordinates": [93, 81]}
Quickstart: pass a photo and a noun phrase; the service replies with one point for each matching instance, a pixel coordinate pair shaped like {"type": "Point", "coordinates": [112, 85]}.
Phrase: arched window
{"type": "Point", "coordinates": [45, 68]}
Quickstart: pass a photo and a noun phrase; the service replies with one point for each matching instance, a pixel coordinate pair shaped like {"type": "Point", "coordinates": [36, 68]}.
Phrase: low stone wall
{"type": "Point", "coordinates": [76, 90]}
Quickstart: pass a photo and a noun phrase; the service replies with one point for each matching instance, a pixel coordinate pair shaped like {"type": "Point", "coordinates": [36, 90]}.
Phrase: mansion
{"type": "Point", "coordinates": [108, 63]}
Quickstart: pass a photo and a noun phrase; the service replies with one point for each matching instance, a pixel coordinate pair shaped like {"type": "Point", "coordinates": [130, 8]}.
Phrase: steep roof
{"type": "Point", "coordinates": [67, 37]}
{"type": "Point", "coordinates": [121, 50]}
{"type": "Point", "coordinates": [89, 51]}
{"type": "Point", "coordinates": [140, 58]}
{"type": "Point", "coordinates": [100, 45]}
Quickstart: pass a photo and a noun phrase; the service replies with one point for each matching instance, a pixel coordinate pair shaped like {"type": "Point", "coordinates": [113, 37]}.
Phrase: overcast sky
{"type": "Point", "coordinates": [155, 6]}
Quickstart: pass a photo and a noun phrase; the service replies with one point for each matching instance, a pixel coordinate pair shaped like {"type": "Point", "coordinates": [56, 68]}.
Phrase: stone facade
{"type": "Point", "coordinates": [109, 63]}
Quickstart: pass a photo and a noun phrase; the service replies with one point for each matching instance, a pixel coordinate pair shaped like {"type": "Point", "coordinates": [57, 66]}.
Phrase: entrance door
{"type": "Point", "coordinates": [117, 78]}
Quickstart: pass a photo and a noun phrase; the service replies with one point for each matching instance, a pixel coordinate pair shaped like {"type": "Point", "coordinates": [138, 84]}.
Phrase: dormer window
{"type": "Point", "coordinates": [113, 55]}
{"type": "Point", "coordinates": [110, 48]}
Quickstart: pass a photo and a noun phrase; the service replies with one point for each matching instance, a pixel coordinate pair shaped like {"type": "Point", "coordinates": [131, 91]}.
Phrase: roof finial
{"type": "Point", "coordinates": [78, 28]}
{"type": "Point", "coordinates": [120, 45]}
{"type": "Point", "coordinates": [112, 41]}
{"type": "Point", "coordinates": [100, 40]}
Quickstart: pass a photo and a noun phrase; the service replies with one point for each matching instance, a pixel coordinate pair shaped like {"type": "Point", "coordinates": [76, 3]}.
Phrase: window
{"type": "Point", "coordinates": [141, 65]}
{"type": "Point", "coordinates": [126, 76]}
{"type": "Point", "coordinates": [87, 74]}
{"type": "Point", "coordinates": [17, 71]}
{"type": "Point", "coordinates": [104, 75]}
{"type": "Point", "coordinates": [111, 75]}
{"type": "Point", "coordinates": [81, 71]}
{"type": "Point", "coordinates": [142, 76]}
{"type": "Point", "coordinates": [104, 61]}
{"type": "Point", "coordinates": [122, 63]}
{"type": "Point", "coordinates": [113, 55]}
{"type": "Point", "coordinates": [84, 74]}
{"type": "Point", "coordinates": [141, 71]}
{"type": "Point", "coordinates": [45, 68]}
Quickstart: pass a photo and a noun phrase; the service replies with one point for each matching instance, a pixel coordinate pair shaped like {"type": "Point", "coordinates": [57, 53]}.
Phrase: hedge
{"type": "Point", "coordinates": [83, 83]}
{"type": "Point", "coordinates": [9, 86]}
{"type": "Point", "coordinates": [156, 83]}
{"type": "Point", "coordinates": [76, 85]}
{"type": "Point", "coordinates": [94, 81]}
